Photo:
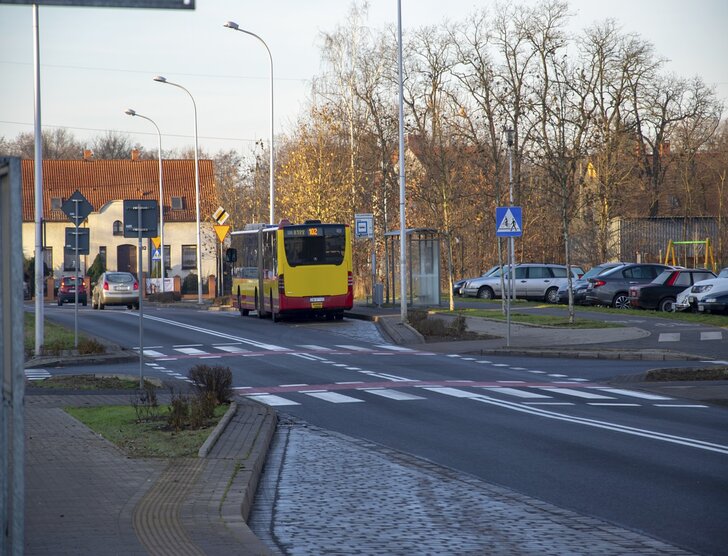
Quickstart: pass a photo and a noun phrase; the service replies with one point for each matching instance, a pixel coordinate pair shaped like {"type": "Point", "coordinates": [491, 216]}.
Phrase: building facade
{"type": "Point", "coordinates": [106, 184]}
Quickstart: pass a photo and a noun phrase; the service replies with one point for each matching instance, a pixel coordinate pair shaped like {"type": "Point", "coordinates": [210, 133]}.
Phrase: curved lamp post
{"type": "Point", "coordinates": [131, 112]}
{"type": "Point", "coordinates": [161, 79]}
{"type": "Point", "coordinates": [271, 212]}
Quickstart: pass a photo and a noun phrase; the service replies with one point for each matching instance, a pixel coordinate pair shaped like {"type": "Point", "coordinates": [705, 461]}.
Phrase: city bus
{"type": "Point", "coordinates": [292, 269]}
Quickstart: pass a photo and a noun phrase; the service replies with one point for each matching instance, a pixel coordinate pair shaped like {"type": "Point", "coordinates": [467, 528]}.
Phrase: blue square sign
{"type": "Point", "coordinates": [508, 222]}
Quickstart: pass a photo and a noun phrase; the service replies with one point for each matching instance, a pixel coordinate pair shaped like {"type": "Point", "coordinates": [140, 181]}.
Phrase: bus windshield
{"type": "Point", "coordinates": [314, 245]}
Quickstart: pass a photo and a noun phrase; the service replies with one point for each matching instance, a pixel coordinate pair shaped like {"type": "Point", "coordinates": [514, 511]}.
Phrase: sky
{"type": "Point", "coordinates": [97, 62]}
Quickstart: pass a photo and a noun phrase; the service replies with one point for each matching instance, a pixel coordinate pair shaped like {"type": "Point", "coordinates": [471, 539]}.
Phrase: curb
{"type": "Point", "coordinates": [217, 431]}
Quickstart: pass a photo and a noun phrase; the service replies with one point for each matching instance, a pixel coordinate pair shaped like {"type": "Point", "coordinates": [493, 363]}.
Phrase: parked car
{"type": "Point", "coordinates": [67, 290]}
{"type": "Point", "coordinates": [116, 288]}
{"type": "Point", "coordinates": [532, 281]}
{"type": "Point", "coordinates": [457, 286]}
{"type": "Point", "coordinates": [714, 303]}
{"type": "Point", "coordinates": [579, 285]}
{"type": "Point", "coordinates": [612, 288]}
{"type": "Point", "coordinates": [660, 294]}
{"type": "Point", "coordinates": [690, 297]}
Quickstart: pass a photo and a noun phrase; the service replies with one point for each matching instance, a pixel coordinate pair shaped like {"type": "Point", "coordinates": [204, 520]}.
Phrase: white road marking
{"type": "Point", "coordinates": [393, 348]}
{"type": "Point", "coordinates": [576, 393]}
{"type": "Point", "coordinates": [333, 397]}
{"type": "Point", "coordinates": [232, 348]}
{"type": "Point", "coordinates": [271, 399]}
{"type": "Point", "coordinates": [514, 392]}
{"type": "Point", "coordinates": [314, 347]}
{"type": "Point", "coordinates": [615, 404]}
{"type": "Point", "coordinates": [353, 348]}
{"type": "Point", "coordinates": [186, 345]}
{"type": "Point", "coordinates": [669, 337]}
{"type": "Point", "coordinates": [559, 376]}
{"type": "Point", "coordinates": [631, 393]}
{"type": "Point", "coordinates": [153, 353]}
{"type": "Point", "coordinates": [713, 335]}
{"type": "Point", "coordinates": [191, 351]}
{"type": "Point", "coordinates": [37, 374]}
{"type": "Point", "coordinates": [451, 391]}
{"type": "Point", "coordinates": [391, 394]}
{"type": "Point", "coordinates": [678, 405]}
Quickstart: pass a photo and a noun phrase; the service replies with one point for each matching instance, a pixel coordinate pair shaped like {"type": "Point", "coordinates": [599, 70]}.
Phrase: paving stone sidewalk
{"type": "Point", "coordinates": [84, 496]}
{"type": "Point", "coordinates": [325, 493]}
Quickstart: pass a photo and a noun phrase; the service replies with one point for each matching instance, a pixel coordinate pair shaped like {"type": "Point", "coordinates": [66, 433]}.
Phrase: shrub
{"type": "Point", "coordinates": [458, 326]}
{"type": "Point", "coordinates": [166, 297]}
{"type": "Point", "coordinates": [179, 411]}
{"type": "Point", "coordinates": [216, 380]}
{"type": "Point", "coordinates": [189, 284]}
{"type": "Point", "coordinates": [202, 408]}
{"type": "Point", "coordinates": [87, 346]}
{"type": "Point", "coordinates": [145, 403]}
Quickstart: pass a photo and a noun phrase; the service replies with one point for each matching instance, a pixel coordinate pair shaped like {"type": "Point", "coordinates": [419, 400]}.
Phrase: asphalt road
{"type": "Point", "coordinates": [548, 428]}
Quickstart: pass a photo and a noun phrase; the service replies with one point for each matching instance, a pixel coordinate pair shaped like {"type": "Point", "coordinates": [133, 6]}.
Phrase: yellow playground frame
{"type": "Point", "coordinates": [670, 257]}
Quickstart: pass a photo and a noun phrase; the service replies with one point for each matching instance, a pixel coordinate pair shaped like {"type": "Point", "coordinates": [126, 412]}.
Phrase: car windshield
{"type": "Point", "coordinates": [68, 280]}
{"type": "Point", "coordinates": [121, 277]}
{"type": "Point", "coordinates": [723, 273]}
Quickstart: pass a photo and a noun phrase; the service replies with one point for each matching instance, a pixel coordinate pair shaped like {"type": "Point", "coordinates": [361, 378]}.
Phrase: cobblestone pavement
{"type": "Point", "coordinates": [325, 493]}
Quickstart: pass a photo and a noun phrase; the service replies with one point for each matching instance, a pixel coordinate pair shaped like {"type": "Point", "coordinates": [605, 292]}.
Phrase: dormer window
{"type": "Point", "coordinates": [178, 203]}
{"type": "Point", "coordinates": [56, 203]}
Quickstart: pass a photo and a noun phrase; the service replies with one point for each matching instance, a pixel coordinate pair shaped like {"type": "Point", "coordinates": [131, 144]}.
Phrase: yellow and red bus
{"type": "Point", "coordinates": [292, 268]}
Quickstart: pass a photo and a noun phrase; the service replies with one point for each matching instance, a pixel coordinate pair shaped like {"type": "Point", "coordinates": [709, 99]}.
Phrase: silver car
{"type": "Point", "coordinates": [115, 288]}
{"type": "Point", "coordinates": [532, 281]}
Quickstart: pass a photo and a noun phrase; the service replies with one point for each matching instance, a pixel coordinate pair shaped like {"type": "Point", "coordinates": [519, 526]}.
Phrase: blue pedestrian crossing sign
{"type": "Point", "coordinates": [157, 255]}
{"type": "Point", "coordinates": [508, 222]}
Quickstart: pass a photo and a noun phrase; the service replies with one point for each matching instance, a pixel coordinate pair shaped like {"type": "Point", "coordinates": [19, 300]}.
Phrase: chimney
{"type": "Point", "coordinates": [88, 154]}
{"type": "Point", "coordinates": [135, 154]}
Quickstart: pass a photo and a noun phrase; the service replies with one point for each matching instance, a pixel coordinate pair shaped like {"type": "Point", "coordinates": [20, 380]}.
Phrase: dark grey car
{"type": "Point", "coordinates": [612, 288]}
{"type": "Point", "coordinates": [579, 286]}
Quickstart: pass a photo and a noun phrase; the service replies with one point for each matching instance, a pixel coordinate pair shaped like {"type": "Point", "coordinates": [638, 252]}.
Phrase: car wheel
{"type": "Point", "coordinates": [84, 302]}
{"type": "Point", "coordinates": [667, 305]}
{"type": "Point", "coordinates": [136, 306]}
{"type": "Point", "coordinates": [485, 293]}
{"type": "Point", "coordinates": [552, 295]}
{"type": "Point", "coordinates": [101, 305]}
{"type": "Point", "coordinates": [621, 301]}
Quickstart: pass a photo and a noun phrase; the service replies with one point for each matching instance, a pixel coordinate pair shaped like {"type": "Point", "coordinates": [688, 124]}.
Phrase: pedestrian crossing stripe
{"type": "Point", "coordinates": [37, 374]}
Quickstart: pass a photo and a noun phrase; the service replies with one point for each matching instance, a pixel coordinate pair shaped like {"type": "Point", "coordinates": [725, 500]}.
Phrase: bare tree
{"type": "Point", "coordinates": [112, 146]}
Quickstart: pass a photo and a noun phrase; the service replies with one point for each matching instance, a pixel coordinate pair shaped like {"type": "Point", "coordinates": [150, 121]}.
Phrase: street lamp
{"type": "Point", "coordinates": [161, 79]}
{"type": "Point", "coordinates": [131, 112]}
{"type": "Point", "coordinates": [510, 135]}
{"type": "Point", "coordinates": [234, 26]}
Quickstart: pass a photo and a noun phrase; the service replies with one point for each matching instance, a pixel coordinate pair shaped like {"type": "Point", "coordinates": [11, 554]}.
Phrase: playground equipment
{"type": "Point", "coordinates": [709, 262]}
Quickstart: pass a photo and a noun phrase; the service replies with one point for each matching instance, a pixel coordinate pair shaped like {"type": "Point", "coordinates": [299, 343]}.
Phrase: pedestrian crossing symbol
{"type": "Point", "coordinates": [508, 222]}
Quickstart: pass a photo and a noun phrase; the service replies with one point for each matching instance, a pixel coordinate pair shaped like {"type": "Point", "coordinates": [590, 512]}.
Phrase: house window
{"type": "Point", "coordinates": [118, 228]}
{"type": "Point", "coordinates": [178, 203]}
{"type": "Point", "coordinates": [189, 256]}
{"type": "Point", "coordinates": [102, 253]}
{"type": "Point", "coordinates": [167, 258]}
{"type": "Point", "coordinates": [56, 203]}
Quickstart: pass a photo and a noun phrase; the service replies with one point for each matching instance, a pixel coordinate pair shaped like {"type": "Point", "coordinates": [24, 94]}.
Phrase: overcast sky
{"type": "Point", "coordinates": [97, 62]}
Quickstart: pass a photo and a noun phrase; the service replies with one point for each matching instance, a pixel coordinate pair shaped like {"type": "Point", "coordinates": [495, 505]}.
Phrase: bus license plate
{"type": "Point", "coordinates": [316, 299]}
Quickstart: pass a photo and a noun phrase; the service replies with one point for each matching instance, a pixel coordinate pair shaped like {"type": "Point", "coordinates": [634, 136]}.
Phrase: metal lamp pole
{"type": "Point", "coordinates": [271, 209]}
{"type": "Point", "coordinates": [511, 254]}
{"type": "Point", "coordinates": [402, 221]}
{"type": "Point", "coordinates": [131, 112]}
{"type": "Point", "coordinates": [161, 79]}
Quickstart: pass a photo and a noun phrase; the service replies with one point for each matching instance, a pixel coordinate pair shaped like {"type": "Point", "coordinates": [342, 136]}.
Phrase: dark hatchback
{"type": "Point", "coordinates": [67, 290]}
{"type": "Point", "coordinates": [660, 294]}
{"type": "Point", "coordinates": [612, 288]}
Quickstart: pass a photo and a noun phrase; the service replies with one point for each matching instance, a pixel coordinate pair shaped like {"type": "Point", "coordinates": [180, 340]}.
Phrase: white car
{"type": "Point", "coordinates": [532, 281]}
{"type": "Point", "coordinates": [689, 297]}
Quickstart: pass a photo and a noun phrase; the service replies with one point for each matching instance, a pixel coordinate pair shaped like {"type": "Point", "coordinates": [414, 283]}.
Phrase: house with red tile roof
{"type": "Point", "coordinates": [106, 184]}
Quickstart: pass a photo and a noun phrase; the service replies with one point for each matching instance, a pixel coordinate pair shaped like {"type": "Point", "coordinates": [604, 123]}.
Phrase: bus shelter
{"type": "Point", "coordinates": [423, 266]}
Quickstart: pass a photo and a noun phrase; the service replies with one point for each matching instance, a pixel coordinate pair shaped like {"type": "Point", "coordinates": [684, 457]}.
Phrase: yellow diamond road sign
{"type": "Point", "coordinates": [222, 232]}
{"type": "Point", "coordinates": [220, 216]}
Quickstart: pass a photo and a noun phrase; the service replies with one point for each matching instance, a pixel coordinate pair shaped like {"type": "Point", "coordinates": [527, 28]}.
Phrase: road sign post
{"type": "Point", "coordinates": [221, 231]}
{"type": "Point", "coordinates": [364, 229]}
{"type": "Point", "coordinates": [77, 208]}
{"type": "Point", "coordinates": [509, 223]}
{"type": "Point", "coordinates": [140, 220]}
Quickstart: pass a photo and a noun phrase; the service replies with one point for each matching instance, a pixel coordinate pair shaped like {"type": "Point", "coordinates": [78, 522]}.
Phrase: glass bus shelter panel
{"type": "Point", "coordinates": [422, 266]}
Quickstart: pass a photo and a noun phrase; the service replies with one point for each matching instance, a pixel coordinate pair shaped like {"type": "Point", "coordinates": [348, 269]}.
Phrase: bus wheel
{"type": "Point", "coordinates": [273, 316]}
